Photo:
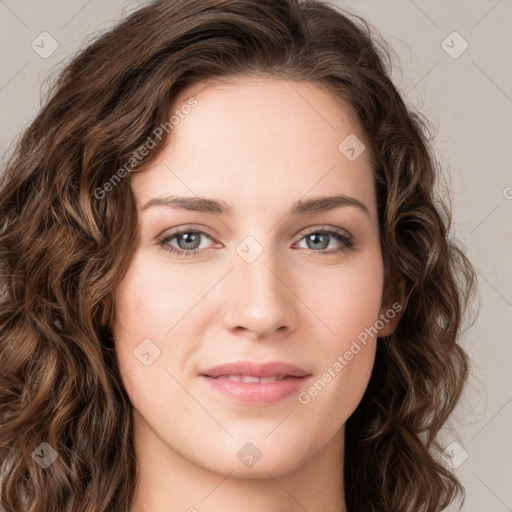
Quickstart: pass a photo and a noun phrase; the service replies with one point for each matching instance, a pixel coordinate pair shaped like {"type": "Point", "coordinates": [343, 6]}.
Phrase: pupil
{"type": "Point", "coordinates": [189, 239]}
{"type": "Point", "coordinates": [316, 236]}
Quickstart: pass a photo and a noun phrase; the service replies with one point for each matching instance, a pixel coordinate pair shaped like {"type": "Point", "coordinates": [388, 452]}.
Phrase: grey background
{"type": "Point", "coordinates": [469, 101]}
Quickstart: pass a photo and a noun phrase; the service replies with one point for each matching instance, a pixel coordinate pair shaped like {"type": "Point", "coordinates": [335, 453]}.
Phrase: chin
{"type": "Point", "coordinates": [257, 458]}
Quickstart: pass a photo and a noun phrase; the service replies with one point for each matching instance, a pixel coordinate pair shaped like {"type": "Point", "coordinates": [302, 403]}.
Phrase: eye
{"type": "Point", "coordinates": [317, 241]}
{"type": "Point", "coordinates": [188, 241]}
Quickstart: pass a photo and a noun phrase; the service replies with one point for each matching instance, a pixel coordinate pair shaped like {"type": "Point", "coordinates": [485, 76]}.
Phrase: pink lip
{"type": "Point", "coordinates": [255, 393]}
{"type": "Point", "coordinates": [255, 369]}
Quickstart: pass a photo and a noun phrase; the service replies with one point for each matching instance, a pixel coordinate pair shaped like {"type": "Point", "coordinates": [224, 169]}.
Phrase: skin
{"type": "Point", "coordinates": [258, 144]}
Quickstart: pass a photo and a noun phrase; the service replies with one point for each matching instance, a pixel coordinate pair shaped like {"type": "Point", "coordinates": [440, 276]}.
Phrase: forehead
{"type": "Point", "coordinates": [254, 138]}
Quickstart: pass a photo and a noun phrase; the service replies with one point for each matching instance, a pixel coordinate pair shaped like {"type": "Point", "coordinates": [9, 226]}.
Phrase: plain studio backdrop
{"type": "Point", "coordinates": [453, 65]}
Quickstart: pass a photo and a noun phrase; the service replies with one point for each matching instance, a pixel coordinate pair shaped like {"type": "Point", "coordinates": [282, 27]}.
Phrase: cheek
{"type": "Point", "coordinates": [153, 316]}
{"type": "Point", "coordinates": [347, 302]}
{"type": "Point", "coordinates": [153, 297]}
{"type": "Point", "coordinates": [346, 298]}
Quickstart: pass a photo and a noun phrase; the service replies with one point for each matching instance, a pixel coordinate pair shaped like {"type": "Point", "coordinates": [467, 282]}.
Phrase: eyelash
{"type": "Point", "coordinates": [347, 242]}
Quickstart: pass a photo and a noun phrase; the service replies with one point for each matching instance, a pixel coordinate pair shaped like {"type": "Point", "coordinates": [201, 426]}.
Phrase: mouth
{"type": "Point", "coordinates": [249, 369]}
{"type": "Point", "coordinates": [250, 383]}
{"type": "Point", "coordinates": [252, 379]}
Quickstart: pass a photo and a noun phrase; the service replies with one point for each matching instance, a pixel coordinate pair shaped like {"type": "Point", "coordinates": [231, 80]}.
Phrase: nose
{"type": "Point", "coordinates": [261, 301]}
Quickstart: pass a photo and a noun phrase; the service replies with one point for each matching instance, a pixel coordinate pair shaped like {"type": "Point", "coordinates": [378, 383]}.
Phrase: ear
{"type": "Point", "coordinates": [390, 315]}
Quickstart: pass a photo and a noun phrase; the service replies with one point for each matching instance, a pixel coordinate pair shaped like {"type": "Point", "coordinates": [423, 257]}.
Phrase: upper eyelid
{"type": "Point", "coordinates": [187, 229]}
{"type": "Point", "coordinates": [324, 227]}
{"type": "Point", "coordinates": [210, 233]}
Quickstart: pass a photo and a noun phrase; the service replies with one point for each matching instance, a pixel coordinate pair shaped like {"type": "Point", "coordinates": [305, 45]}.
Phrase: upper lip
{"type": "Point", "coordinates": [255, 369]}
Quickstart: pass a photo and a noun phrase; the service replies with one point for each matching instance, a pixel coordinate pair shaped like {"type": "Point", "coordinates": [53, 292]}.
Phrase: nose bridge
{"type": "Point", "coordinates": [260, 299]}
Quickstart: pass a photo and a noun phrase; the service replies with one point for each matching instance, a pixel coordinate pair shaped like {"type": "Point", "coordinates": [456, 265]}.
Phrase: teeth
{"type": "Point", "coordinates": [250, 379]}
{"type": "Point", "coordinates": [270, 379]}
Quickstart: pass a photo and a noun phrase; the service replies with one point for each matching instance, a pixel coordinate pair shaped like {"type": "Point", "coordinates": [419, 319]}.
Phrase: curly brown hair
{"type": "Point", "coordinates": [63, 250]}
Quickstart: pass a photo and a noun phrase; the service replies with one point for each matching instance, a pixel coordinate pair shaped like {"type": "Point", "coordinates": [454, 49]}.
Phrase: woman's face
{"type": "Point", "coordinates": [261, 283]}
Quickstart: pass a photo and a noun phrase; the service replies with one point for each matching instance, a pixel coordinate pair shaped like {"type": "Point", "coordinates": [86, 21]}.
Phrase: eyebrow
{"type": "Point", "coordinates": [301, 207]}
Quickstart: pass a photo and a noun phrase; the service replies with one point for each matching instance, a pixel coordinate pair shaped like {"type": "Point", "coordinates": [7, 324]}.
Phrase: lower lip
{"type": "Point", "coordinates": [256, 393]}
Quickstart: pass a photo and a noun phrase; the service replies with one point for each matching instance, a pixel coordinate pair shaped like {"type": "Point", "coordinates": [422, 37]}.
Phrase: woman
{"type": "Point", "coordinates": [171, 336]}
